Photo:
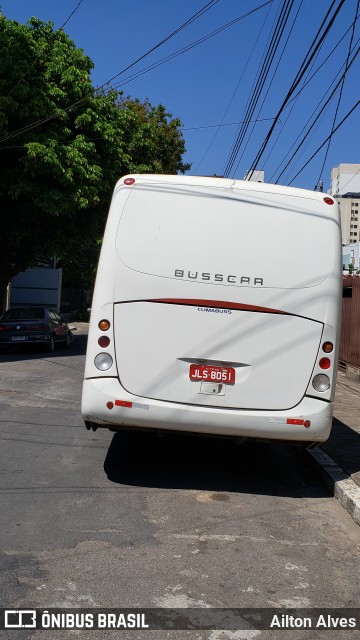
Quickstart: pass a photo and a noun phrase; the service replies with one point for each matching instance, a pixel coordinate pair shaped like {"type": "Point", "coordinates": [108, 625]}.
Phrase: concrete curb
{"type": "Point", "coordinates": [343, 488]}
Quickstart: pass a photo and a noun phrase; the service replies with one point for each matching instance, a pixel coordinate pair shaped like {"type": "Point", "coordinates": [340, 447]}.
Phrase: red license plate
{"type": "Point", "coordinates": [210, 373]}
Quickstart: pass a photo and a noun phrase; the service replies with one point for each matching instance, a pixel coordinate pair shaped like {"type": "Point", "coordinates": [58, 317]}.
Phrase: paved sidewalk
{"type": "Point", "coordinates": [338, 459]}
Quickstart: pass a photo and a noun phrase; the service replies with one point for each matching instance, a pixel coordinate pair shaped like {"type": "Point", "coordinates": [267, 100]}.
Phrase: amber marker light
{"type": "Point", "coordinates": [104, 325]}
{"type": "Point", "coordinates": [327, 347]}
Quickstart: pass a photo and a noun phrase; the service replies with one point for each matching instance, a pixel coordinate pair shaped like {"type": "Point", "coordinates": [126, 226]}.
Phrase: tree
{"type": "Point", "coordinates": [56, 177]}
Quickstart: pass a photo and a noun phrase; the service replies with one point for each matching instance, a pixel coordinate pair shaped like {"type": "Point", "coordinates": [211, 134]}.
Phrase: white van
{"type": "Point", "coordinates": [193, 330]}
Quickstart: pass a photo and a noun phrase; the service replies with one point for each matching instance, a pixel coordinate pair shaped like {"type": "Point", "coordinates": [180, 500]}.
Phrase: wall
{"type": "Point", "coordinates": [350, 333]}
{"type": "Point", "coordinates": [36, 287]}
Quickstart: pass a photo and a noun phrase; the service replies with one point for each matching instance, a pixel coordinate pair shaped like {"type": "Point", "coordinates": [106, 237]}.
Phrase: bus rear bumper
{"type": "Point", "coordinates": [106, 404]}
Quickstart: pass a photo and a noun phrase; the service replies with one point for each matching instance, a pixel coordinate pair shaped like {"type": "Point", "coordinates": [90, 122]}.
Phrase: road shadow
{"type": "Point", "coordinates": [181, 461]}
{"type": "Point", "coordinates": [15, 353]}
{"type": "Point", "coordinates": [343, 447]}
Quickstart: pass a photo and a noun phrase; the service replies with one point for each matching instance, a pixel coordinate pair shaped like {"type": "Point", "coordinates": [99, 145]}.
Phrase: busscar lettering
{"type": "Point", "coordinates": [206, 276]}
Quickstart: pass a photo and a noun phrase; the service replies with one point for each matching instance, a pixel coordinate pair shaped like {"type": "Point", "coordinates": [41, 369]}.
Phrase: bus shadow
{"type": "Point", "coordinates": [181, 461]}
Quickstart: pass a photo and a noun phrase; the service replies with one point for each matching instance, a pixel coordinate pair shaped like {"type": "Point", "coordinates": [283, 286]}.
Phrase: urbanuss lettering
{"type": "Point", "coordinates": [218, 277]}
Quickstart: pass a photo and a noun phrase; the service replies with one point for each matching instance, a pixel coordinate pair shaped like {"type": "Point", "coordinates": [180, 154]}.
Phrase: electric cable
{"type": "Point", "coordinates": [233, 94]}
{"type": "Point", "coordinates": [270, 83]}
{"type": "Point", "coordinates": [222, 124]}
{"type": "Point", "coordinates": [37, 123]}
{"type": "Point", "coordinates": [39, 54]}
{"type": "Point", "coordinates": [260, 82]}
{"type": "Point", "coordinates": [293, 101]}
{"type": "Point", "coordinates": [196, 15]}
{"type": "Point", "coordinates": [250, 106]}
{"type": "Point", "coordinates": [71, 14]}
{"type": "Point", "coordinates": [338, 84]}
{"type": "Point", "coordinates": [341, 91]}
{"type": "Point", "coordinates": [346, 183]}
{"type": "Point", "coordinates": [314, 47]}
{"type": "Point", "coordinates": [185, 49]}
{"type": "Point", "coordinates": [13, 134]}
{"type": "Point", "coordinates": [325, 141]}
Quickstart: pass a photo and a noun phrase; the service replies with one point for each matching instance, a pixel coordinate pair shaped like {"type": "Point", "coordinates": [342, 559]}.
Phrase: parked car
{"type": "Point", "coordinates": [33, 325]}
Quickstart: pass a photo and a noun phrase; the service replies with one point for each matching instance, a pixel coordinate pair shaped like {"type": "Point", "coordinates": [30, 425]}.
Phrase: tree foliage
{"type": "Point", "coordinates": [57, 177]}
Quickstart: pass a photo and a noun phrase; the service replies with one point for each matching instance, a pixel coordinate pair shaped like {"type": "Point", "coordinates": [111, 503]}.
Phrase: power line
{"type": "Point", "coordinates": [39, 54]}
{"type": "Point", "coordinates": [341, 90]}
{"type": "Point", "coordinates": [222, 124]}
{"type": "Point", "coordinates": [325, 141]}
{"type": "Point", "coordinates": [205, 126]}
{"type": "Point", "coordinates": [187, 48]}
{"type": "Point", "coordinates": [33, 125]}
{"type": "Point", "coordinates": [261, 79]}
{"type": "Point", "coordinates": [234, 92]}
{"type": "Point", "coordinates": [293, 101]}
{"type": "Point", "coordinates": [71, 14]}
{"type": "Point", "coordinates": [338, 84]}
{"type": "Point", "coordinates": [37, 123]}
{"type": "Point", "coordinates": [312, 51]}
{"type": "Point", "coordinates": [196, 15]}
{"type": "Point", "coordinates": [271, 81]}
{"type": "Point", "coordinates": [346, 183]}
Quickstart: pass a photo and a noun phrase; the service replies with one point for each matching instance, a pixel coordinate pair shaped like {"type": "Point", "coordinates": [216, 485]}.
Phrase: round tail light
{"type": "Point", "coordinates": [321, 382]}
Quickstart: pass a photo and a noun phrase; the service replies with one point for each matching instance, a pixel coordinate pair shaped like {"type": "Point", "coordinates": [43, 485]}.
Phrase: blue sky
{"type": "Point", "coordinates": [213, 82]}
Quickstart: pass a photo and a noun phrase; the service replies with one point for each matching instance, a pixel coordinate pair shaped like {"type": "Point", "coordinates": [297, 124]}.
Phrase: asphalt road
{"type": "Point", "coordinates": [132, 520]}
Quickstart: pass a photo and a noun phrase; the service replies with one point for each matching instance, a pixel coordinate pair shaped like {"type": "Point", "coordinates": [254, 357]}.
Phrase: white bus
{"type": "Point", "coordinates": [216, 310]}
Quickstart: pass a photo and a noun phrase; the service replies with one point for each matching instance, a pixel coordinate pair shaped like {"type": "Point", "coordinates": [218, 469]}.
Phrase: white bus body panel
{"type": "Point", "coordinates": [156, 414]}
{"type": "Point", "coordinates": [260, 347]}
{"type": "Point", "coordinates": [180, 284]}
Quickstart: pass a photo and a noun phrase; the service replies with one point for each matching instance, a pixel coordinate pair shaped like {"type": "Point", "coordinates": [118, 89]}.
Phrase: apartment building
{"type": "Point", "coordinates": [345, 187]}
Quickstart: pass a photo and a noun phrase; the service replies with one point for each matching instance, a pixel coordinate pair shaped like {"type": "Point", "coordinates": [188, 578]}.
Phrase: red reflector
{"type": "Point", "coordinates": [328, 201]}
{"type": "Point", "coordinates": [104, 341]}
{"type": "Point", "coordinates": [325, 363]}
{"type": "Point", "coordinates": [307, 424]}
{"type": "Point", "coordinates": [110, 405]}
{"type": "Point", "coordinates": [123, 403]}
{"type": "Point", "coordinates": [294, 421]}
{"type": "Point", "coordinates": [129, 181]}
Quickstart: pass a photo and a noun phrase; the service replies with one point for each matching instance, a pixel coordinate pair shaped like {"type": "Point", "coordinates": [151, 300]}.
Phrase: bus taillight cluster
{"type": "Point", "coordinates": [103, 361]}
{"type": "Point", "coordinates": [321, 382]}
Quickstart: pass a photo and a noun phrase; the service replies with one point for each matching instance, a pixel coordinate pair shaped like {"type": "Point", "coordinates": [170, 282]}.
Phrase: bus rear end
{"type": "Point", "coordinates": [216, 310]}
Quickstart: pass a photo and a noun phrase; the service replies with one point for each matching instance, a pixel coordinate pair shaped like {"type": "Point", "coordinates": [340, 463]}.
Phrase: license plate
{"type": "Point", "coordinates": [226, 375]}
{"type": "Point", "coordinates": [18, 338]}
